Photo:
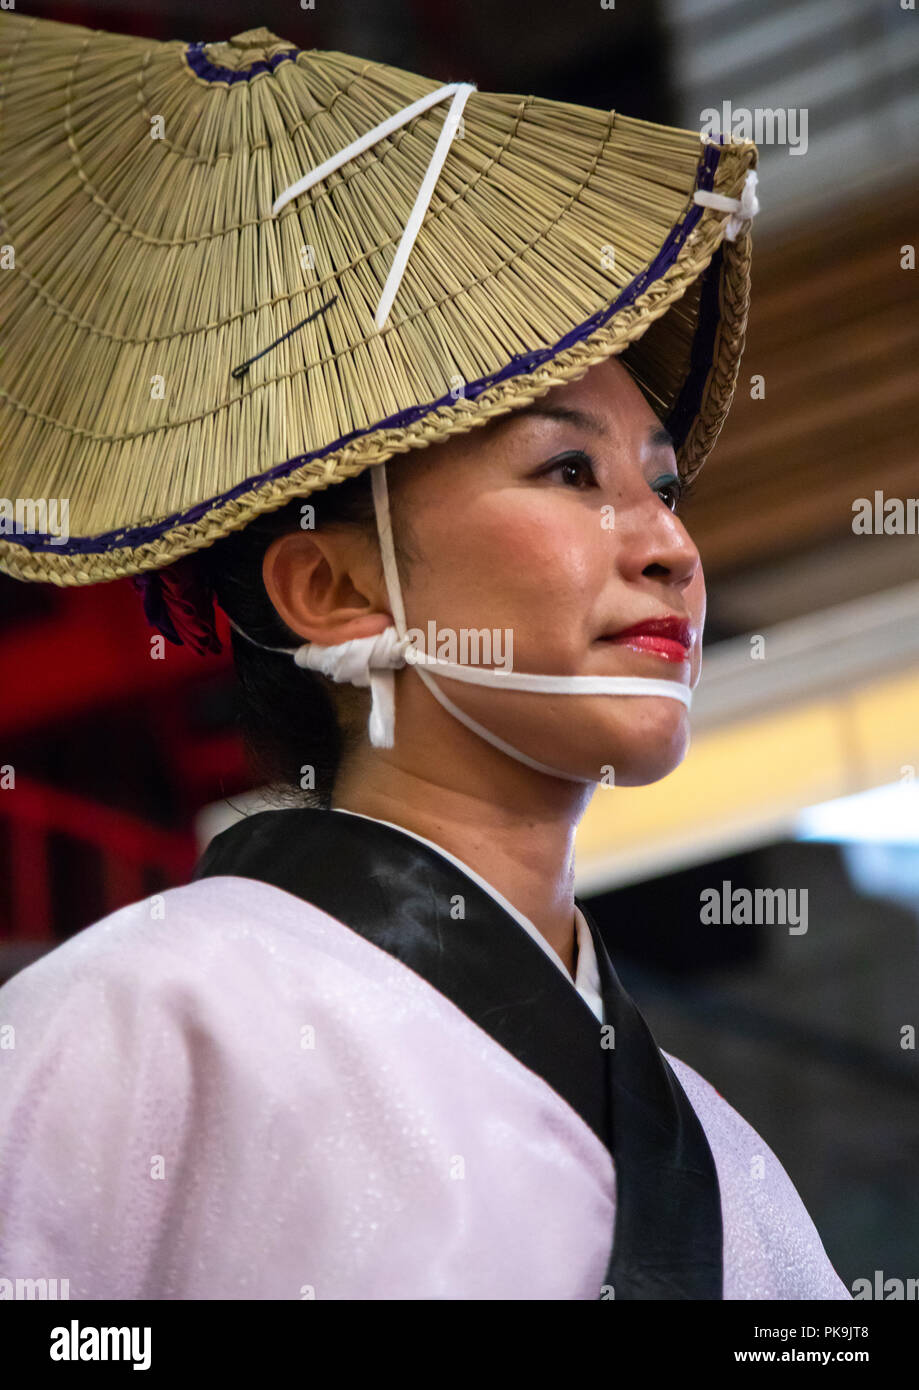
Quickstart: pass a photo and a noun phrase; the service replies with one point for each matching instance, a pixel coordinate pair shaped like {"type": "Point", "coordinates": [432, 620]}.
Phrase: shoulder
{"type": "Point", "coordinates": [169, 921]}
{"type": "Point", "coordinates": [771, 1246]}
{"type": "Point", "coordinates": [152, 1062]}
{"type": "Point", "coordinates": [228, 974]}
{"type": "Point", "coordinates": [162, 956]}
{"type": "Point", "coordinates": [197, 937]}
{"type": "Point", "coordinates": [180, 988]}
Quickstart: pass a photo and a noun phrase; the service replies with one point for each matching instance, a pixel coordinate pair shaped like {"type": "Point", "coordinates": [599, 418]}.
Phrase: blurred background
{"type": "Point", "coordinates": [803, 770]}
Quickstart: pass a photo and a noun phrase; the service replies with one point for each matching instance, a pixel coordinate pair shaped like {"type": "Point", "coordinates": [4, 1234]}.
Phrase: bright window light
{"type": "Point", "coordinates": [886, 815]}
{"type": "Point", "coordinates": [878, 835]}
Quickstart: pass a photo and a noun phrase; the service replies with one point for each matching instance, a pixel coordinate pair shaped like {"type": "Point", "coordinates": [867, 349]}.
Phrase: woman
{"type": "Point", "coordinates": [376, 1049]}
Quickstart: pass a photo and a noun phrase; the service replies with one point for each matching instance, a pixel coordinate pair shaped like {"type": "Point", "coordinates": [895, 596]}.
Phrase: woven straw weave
{"type": "Point", "coordinates": [146, 269]}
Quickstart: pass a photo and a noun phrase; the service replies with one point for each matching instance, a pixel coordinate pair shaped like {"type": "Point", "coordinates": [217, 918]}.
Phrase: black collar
{"type": "Point", "coordinates": [411, 901]}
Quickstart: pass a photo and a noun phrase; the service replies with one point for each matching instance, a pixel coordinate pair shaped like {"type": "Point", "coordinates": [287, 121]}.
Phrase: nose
{"type": "Point", "coordinates": [657, 545]}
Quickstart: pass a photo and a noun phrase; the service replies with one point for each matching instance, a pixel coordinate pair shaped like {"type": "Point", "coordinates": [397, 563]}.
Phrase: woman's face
{"type": "Point", "coordinates": [559, 530]}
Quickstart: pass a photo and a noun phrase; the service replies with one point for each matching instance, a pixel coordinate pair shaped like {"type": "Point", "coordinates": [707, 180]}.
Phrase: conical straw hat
{"type": "Point", "coordinates": [144, 260]}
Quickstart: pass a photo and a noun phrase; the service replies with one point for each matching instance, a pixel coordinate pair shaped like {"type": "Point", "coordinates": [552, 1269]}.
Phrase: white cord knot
{"type": "Point", "coordinates": [363, 661]}
{"type": "Point", "coordinates": [743, 209]}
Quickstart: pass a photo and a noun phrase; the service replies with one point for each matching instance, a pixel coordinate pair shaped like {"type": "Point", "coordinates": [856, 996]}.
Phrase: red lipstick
{"type": "Point", "coordinates": [670, 638]}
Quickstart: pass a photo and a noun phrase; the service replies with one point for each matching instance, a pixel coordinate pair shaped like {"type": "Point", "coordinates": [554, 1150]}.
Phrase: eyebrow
{"type": "Point", "coordinates": [659, 437]}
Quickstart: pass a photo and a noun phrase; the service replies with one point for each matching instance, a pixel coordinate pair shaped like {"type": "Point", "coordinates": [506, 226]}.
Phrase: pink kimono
{"type": "Point", "coordinates": [223, 1092]}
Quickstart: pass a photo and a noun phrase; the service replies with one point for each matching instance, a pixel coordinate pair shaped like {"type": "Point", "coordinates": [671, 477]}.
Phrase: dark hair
{"type": "Point", "coordinates": [291, 719]}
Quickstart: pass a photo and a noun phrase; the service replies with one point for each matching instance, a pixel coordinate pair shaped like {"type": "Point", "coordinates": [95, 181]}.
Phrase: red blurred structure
{"type": "Point", "coordinates": [110, 743]}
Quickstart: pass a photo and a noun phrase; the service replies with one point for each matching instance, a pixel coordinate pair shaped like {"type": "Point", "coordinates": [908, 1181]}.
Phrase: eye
{"type": "Point", "coordinates": [574, 465]}
{"type": "Point", "coordinates": [674, 486]}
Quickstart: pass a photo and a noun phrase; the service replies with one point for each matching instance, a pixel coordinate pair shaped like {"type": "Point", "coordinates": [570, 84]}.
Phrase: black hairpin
{"type": "Point", "coordinates": [244, 366]}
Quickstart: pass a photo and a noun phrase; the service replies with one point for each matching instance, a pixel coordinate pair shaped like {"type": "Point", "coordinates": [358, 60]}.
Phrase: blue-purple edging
{"type": "Point", "coordinates": [678, 421]}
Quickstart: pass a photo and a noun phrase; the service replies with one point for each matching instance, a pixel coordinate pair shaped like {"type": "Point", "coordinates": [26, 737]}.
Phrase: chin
{"type": "Point", "coordinates": [644, 774]}
{"type": "Point", "coordinates": [650, 747]}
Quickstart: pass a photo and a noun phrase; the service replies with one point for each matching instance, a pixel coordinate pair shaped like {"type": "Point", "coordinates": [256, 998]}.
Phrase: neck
{"type": "Point", "coordinates": [526, 852]}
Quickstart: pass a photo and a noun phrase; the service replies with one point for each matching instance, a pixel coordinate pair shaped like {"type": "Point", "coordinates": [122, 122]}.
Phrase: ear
{"type": "Point", "coordinates": [326, 585]}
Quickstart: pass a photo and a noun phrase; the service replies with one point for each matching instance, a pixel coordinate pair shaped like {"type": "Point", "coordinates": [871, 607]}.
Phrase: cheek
{"type": "Point", "coordinates": [523, 567]}
{"type": "Point", "coordinates": [559, 562]}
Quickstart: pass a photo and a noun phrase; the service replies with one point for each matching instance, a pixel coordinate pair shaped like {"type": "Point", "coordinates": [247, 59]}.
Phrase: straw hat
{"type": "Point", "coordinates": [190, 337]}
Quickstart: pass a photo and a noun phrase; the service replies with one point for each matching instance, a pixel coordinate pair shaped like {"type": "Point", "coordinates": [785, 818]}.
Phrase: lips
{"type": "Point", "coordinates": [670, 638]}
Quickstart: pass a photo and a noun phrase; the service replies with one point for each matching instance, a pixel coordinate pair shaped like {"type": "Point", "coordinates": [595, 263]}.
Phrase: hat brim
{"type": "Point", "coordinates": [510, 289]}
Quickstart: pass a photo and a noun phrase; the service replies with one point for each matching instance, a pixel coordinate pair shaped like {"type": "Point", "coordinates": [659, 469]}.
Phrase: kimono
{"type": "Point", "coordinates": [338, 1064]}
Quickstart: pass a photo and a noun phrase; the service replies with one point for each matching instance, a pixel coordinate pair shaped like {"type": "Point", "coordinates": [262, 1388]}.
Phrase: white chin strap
{"type": "Point", "coordinates": [373, 661]}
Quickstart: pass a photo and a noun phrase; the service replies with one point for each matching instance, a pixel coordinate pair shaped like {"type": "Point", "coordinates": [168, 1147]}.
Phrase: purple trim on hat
{"type": "Point", "coordinates": [203, 67]}
{"type": "Point", "coordinates": [682, 414]}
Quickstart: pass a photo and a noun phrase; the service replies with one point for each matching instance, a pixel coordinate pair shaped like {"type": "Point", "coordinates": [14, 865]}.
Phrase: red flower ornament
{"type": "Point", "coordinates": [179, 603]}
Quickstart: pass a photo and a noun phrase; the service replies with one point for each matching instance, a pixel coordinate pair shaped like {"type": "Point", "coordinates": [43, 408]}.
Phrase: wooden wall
{"type": "Point", "coordinates": [834, 330]}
